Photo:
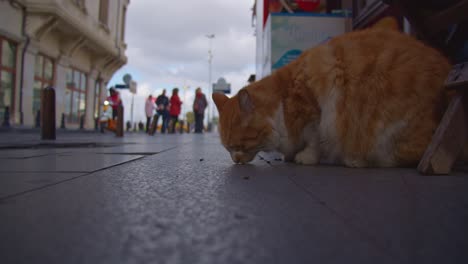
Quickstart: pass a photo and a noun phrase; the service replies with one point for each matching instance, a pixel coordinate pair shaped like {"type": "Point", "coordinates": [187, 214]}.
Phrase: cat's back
{"type": "Point", "coordinates": [387, 98]}
{"type": "Point", "coordinates": [386, 51]}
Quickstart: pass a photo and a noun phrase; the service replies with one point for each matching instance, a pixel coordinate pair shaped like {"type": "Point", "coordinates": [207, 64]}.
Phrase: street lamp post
{"type": "Point", "coordinates": [184, 107]}
{"type": "Point", "coordinates": [210, 58]}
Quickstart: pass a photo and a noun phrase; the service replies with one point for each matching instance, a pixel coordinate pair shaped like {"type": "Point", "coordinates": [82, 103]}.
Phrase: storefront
{"type": "Point", "coordinates": [8, 51]}
{"type": "Point", "coordinates": [74, 47]}
{"type": "Point", "coordinates": [284, 29]}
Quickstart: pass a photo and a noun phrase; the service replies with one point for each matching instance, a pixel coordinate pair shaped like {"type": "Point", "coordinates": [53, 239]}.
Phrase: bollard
{"type": "Point", "coordinates": [96, 124]}
{"type": "Point", "coordinates": [48, 113]}
{"type": "Point", "coordinates": [119, 132]}
{"type": "Point", "coordinates": [6, 117]}
{"type": "Point", "coordinates": [38, 118]}
{"type": "Point", "coordinates": [82, 122]}
{"type": "Point", "coordinates": [62, 122]}
{"type": "Point", "coordinates": [129, 126]}
{"type": "Point", "coordinates": [141, 126]}
{"type": "Point", "coordinates": [181, 127]}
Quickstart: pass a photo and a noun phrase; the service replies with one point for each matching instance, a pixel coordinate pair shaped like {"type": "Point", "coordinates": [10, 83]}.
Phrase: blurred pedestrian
{"type": "Point", "coordinates": [162, 110]}
{"type": "Point", "coordinates": [114, 101]}
{"type": "Point", "coordinates": [150, 106]}
{"type": "Point", "coordinates": [105, 118]}
{"type": "Point", "coordinates": [128, 125]}
{"type": "Point", "coordinates": [175, 106]}
{"type": "Point", "coordinates": [199, 105]}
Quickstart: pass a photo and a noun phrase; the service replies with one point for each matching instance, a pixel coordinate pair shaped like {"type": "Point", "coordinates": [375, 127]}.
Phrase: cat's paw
{"type": "Point", "coordinates": [355, 163]}
{"type": "Point", "coordinates": [306, 158]}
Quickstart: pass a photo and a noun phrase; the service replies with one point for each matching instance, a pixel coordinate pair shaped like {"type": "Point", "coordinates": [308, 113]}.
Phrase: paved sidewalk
{"type": "Point", "coordinates": [92, 198]}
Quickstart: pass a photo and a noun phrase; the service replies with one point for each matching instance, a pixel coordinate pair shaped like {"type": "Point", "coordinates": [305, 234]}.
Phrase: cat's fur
{"type": "Point", "coordinates": [366, 98]}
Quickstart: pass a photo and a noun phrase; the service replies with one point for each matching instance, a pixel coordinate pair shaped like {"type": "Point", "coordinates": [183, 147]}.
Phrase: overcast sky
{"type": "Point", "coordinates": [168, 47]}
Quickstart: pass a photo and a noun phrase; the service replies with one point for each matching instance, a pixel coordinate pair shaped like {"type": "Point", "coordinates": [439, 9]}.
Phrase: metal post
{"type": "Point", "coordinates": [6, 117]}
{"type": "Point", "coordinates": [119, 132]}
{"type": "Point", "coordinates": [181, 127]}
{"type": "Point", "coordinates": [62, 122]}
{"type": "Point", "coordinates": [131, 109]}
{"type": "Point", "coordinates": [210, 89]}
{"type": "Point", "coordinates": [48, 113]}
{"type": "Point", "coordinates": [82, 122]}
{"type": "Point", "coordinates": [38, 118]}
{"type": "Point", "coordinates": [209, 81]}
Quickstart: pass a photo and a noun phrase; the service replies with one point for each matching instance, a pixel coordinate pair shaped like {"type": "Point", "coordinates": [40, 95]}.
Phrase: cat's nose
{"type": "Point", "coordinates": [237, 157]}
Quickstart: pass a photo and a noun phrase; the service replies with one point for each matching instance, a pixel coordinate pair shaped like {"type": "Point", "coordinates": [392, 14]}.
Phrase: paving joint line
{"type": "Point", "coordinates": [8, 197]}
{"type": "Point", "coordinates": [31, 157]}
{"type": "Point", "coordinates": [364, 234]}
{"type": "Point", "coordinates": [361, 232]}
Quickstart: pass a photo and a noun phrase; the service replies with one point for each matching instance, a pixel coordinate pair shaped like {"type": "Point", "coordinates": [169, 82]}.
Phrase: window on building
{"type": "Point", "coordinates": [103, 11]}
{"type": "Point", "coordinates": [97, 98]}
{"type": "Point", "coordinates": [80, 3]}
{"type": "Point", "coordinates": [7, 74]}
{"type": "Point", "coordinates": [43, 77]}
{"type": "Point", "coordinates": [75, 95]}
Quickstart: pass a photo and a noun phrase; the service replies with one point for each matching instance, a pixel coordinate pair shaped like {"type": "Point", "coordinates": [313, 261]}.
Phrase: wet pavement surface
{"type": "Point", "coordinates": [180, 199]}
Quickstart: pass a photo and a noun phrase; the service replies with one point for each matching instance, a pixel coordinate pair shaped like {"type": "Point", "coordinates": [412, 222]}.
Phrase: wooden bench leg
{"type": "Point", "coordinates": [449, 138]}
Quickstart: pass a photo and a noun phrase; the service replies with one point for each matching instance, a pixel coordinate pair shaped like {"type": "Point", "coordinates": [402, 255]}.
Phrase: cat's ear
{"type": "Point", "coordinates": [219, 100]}
{"type": "Point", "coordinates": [245, 101]}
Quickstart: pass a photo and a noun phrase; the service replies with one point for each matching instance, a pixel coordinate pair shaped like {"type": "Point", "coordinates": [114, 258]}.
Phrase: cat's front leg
{"type": "Point", "coordinates": [308, 156]}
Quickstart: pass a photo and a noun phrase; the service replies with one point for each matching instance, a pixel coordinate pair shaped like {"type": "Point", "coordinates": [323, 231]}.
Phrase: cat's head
{"type": "Point", "coordinates": [243, 128]}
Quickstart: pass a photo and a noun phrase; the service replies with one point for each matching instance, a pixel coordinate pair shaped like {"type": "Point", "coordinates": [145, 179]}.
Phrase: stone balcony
{"type": "Point", "coordinates": [76, 28]}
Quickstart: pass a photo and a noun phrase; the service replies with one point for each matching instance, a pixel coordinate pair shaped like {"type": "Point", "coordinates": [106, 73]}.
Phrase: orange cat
{"type": "Point", "coordinates": [367, 98]}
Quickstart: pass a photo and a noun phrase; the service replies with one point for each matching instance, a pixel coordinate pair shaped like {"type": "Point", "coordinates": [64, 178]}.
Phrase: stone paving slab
{"type": "Point", "coordinates": [146, 149]}
{"type": "Point", "coordinates": [191, 204]}
{"type": "Point", "coordinates": [28, 153]}
{"type": "Point", "coordinates": [420, 219]}
{"type": "Point", "coordinates": [65, 162]}
{"type": "Point", "coordinates": [18, 183]}
{"type": "Point", "coordinates": [179, 209]}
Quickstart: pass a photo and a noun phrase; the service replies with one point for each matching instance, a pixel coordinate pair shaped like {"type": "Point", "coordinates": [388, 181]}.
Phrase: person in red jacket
{"type": "Point", "coordinates": [174, 109]}
{"type": "Point", "coordinates": [114, 100]}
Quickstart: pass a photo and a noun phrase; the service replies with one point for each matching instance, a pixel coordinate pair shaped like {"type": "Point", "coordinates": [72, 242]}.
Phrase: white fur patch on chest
{"type": "Point", "coordinates": [383, 152]}
{"type": "Point", "coordinates": [281, 138]}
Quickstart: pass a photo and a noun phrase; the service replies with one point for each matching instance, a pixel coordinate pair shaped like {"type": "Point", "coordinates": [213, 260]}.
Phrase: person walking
{"type": "Point", "coordinates": [150, 106]}
{"type": "Point", "coordinates": [175, 105]}
{"type": "Point", "coordinates": [199, 105]}
{"type": "Point", "coordinates": [162, 110]}
{"type": "Point", "coordinates": [114, 101]}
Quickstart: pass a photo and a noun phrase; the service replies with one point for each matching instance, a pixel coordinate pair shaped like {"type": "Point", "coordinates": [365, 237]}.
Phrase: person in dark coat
{"type": "Point", "coordinates": [199, 105]}
{"type": "Point", "coordinates": [162, 109]}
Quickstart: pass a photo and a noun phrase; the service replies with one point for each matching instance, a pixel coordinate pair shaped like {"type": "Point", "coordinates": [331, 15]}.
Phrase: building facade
{"type": "Point", "coordinates": [299, 24]}
{"type": "Point", "coordinates": [74, 46]}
